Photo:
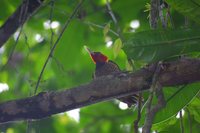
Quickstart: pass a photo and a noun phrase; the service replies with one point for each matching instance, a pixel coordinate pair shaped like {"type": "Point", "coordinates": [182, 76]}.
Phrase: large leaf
{"type": "Point", "coordinates": [178, 102]}
{"type": "Point", "coordinates": [173, 125]}
{"type": "Point", "coordinates": [174, 102]}
{"type": "Point", "coordinates": [155, 45]}
{"type": "Point", "coordinates": [189, 8]}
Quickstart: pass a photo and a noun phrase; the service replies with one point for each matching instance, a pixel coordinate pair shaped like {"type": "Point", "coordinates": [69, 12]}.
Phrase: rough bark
{"type": "Point", "coordinates": [45, 104]}
{"type": "Point", "coordinates": [154, 13]}
{"type": "Point", "coordinates": [18, 18]}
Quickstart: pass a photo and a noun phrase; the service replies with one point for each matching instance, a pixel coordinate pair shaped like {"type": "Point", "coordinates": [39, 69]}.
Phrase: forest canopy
{"type": "Point", "coordinates": [42, 53]}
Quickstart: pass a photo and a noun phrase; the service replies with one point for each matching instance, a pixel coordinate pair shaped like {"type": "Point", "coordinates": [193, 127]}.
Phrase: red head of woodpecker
{"type": "Point", "coordinates": [97, 57]}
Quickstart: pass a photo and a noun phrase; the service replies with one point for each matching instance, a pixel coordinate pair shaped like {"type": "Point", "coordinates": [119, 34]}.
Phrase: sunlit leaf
{"type": "Point", "coordinates": [117, 47]}
{"type": "Point", "coordinates": [106, 29]}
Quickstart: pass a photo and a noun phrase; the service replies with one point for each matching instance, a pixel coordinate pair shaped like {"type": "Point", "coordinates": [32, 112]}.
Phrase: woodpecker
{"type": "Point", "coordinates": [104, 67]}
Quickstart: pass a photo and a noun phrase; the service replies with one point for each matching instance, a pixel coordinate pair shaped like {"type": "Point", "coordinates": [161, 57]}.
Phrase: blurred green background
{"type": "Point", "coordinates": [71, 65]}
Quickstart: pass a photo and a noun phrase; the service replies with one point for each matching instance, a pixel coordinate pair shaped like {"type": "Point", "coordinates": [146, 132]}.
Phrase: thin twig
{"type": "Point", "coordinates": [186, 22]}
{"type": "Point", "coordinates": [114, 19]}
{"type": "Point", "coordinates": [50, 18]}
{"type": "Point", "coordinates": [102, 27]}
{"type": "Point", "coordinates": [60, 66]}
{"type": "Point", "coordinates": [168, 15]}
{"type": "Point", "coordinates": [17, 19]}
{"type": "Point", "coordinates": [147, 125]}
{"type": "Point", "coordinates": [28, 127]}
{"type": "Point", "coordinates": [111, 12]}
{"type": "Point", "coordinates": [189, 118]}
{"type": "Point", "coordinates": [23, 11]}
{"type": "Point", "coordinates": [22, 16]}
{"type": "Point", "coordinates": [162, 18]}
{"type": "Point", "coordinates": [181, 122]}
{"type": "Point", "coordinates": [150, 115]}
{"type": "Point", "coordinates": [55, 44]}
{"type": "Point", "coordinates": [12, 50]}
{"type": "Point", "coordinates": [152, 110]}
{"type": "Point", "coordinates": [26, 42]}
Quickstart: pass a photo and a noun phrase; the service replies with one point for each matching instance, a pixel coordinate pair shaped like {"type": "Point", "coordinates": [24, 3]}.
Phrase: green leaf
{"type": "Point", "coordinates": [175, 103]}
{"type": "Point", "coordinates": [155, 45]}
{"type": "Point", "coordinates": [166, 124]}
{"type": "Point", "coordinates": [106, 29]}
{"type": "Point", "coordinates": [194, 109]}
{"type": "Point", "coordinates": [189, 8]}
{"type": "Point", "coordinates": [173, 125]}
{"type": "Point", "coordinates": [178, 102]}
{"type": "Point", "coordinates": [117, 47]}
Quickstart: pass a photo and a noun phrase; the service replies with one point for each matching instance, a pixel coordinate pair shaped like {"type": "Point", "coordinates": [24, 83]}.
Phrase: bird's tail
{"type": "Point", "coordinates": [131, 100]}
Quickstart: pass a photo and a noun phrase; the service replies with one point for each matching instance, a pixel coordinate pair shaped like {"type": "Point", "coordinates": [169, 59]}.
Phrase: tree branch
{"type": "Point", "coordinates": [154, 13]}
{"type": "Point", "coordinates": [114, 19]}
{"type": "Point", "coordinates": [18, 18]}
{"type": "Point", "coordinates": [45, 104]}
{"type": "Point", "coordinates": [150, 109]}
